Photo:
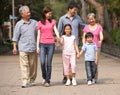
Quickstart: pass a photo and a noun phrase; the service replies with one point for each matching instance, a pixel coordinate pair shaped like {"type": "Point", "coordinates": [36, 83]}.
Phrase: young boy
{"type": "Point", "coordinates": [91, 57]}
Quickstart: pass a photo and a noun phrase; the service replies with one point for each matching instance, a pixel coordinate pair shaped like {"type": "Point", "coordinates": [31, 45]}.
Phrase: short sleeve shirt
{"type": "Point", "coordinates": [25, 34]}
{"type": "Point", "coordinates": [90, 49]}
{"type": "Point", "coordinates": [68, 44]}
{"type": "Point", "coordinates": [46, 31]}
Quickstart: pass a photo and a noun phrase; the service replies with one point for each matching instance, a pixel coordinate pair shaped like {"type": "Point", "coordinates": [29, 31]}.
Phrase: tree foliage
{"type": "Point", "coordinates": [59, 8]}
{"type": "Point", "coordinates": [5, 10]}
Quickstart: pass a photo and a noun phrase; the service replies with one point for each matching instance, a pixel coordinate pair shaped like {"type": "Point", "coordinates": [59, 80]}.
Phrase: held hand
{"type": "Point", "coordinates": [78, 55]}
{"type": "Point", "coordinates": [57, 46]}
{"type": "Point", "coordinates": [58, 40]}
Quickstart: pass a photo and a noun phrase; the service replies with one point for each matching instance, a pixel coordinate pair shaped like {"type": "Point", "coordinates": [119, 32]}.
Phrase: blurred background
{"type": "Point", "coordinates": [107, 12]}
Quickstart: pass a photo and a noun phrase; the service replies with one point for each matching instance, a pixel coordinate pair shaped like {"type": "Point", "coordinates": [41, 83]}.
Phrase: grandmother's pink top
{"type": "Point", "coordinates": [46, 32]}
{"type": "Point", "coordinates": [95, 32]}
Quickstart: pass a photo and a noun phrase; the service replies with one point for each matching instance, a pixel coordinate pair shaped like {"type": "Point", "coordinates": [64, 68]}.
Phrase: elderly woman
{"type": "Point", "coordinates": [97, 30]}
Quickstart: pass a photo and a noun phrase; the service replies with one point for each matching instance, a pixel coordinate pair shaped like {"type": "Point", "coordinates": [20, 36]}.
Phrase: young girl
{"type": "Point", "coordinates": [70, 48]}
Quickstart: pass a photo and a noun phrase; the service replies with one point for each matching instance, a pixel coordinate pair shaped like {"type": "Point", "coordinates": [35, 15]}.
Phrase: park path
{"type": "Point", "coordinates": [108, 84]}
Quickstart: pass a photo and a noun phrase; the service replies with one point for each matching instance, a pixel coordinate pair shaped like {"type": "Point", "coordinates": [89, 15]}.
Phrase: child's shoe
{"type": "Point", "coordinates": [68, 82]}
{"type": "Point", "coordinates": [74, 82]}
{"type": "Point", "coordinates": [47, 84]}
{"type": "Point", "coordinates": [93, 81]}
{"type": "Point", "coordinates": [64, 80]}
{"type": "Point", "coordinates": [89, 83]}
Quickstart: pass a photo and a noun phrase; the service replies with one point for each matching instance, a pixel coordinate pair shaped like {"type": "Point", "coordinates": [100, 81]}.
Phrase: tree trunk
{"type": "Point", "coordinates": [84, 14]}
{"type": "Point", "coordinates": [114, 20]}
{"type": "Point", "coordinates": [107, 21]}
{"type": "Point", "coordinates": [100, 10]}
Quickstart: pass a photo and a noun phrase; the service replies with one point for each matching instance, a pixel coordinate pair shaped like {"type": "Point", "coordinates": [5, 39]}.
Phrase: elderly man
{"type": "Point", "coordinates": [25, 34]}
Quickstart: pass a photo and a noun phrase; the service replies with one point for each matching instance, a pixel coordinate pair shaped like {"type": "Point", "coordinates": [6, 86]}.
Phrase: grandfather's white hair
{"type": "Point", "coordinates": [23, 8]}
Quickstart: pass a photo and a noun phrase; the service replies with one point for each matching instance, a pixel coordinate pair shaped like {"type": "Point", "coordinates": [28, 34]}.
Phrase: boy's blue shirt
{"type": "Point", "coordinates": [90, 49]}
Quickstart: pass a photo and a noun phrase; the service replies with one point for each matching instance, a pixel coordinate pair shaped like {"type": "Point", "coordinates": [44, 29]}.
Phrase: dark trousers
{"type": "Point", "coordinates": [90, 69]}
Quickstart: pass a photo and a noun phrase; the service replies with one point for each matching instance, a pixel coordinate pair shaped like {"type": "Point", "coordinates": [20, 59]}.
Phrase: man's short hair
{"type": "Point", "coordinates": [72, 5]}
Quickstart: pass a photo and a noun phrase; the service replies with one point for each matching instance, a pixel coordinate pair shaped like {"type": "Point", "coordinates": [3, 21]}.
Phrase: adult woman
{"type": "Point", "coordinates": [46, 44]}
{"type": "Point", "coordinates": [97, 31]}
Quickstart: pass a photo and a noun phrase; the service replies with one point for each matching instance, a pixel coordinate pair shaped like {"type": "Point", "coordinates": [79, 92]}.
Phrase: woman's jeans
{"type": "Point", "coordinates": [46, 55]}
{"type": "Point", "coordinates": [90, 70]}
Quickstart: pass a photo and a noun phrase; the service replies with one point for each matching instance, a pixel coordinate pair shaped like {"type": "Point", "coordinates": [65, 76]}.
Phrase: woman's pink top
{"type": "Point", "coordinates": [46, 32]}
{"type": "Point", "coordinates": [95, 32]}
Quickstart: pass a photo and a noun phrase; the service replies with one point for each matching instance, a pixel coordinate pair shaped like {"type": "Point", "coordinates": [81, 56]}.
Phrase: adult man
{"type": "Point", "coordinates": [25, 34]}
{"type": "Point", "coordinates": [74, 20]}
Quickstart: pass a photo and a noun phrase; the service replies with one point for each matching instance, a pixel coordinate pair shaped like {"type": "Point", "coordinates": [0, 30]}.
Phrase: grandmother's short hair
{"type": "Point", "coordinates": [91, 14]}
{"type": "Point", "coordinates": [23, 8]}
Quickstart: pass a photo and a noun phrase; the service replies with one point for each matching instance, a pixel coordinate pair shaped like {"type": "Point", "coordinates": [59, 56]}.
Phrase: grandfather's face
{"type": "Point", "coordinates": [26, 14]}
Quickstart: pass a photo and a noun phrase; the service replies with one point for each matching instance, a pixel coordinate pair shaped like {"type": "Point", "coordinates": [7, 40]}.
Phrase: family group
{"type": "Point", "coordinates": [37, 37]}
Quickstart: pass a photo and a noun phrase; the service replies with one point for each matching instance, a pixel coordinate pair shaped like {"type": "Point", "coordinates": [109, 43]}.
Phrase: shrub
{"type": "Point", "coordinates": [117, 38]}
{"type": "Point", "coordinates": [113, 35]}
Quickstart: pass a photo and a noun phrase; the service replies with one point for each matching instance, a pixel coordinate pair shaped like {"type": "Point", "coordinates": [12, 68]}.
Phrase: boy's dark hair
{"type": "Point", "coordinates": [89, 34]}
{"type": "Point", "coordinates": [72, 5]}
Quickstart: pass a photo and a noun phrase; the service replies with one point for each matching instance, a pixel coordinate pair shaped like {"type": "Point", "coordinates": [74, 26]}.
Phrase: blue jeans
{"type": "Point", "coordinates": [46, 55]}
{"type": "Point", "coordinates": [90, 69]}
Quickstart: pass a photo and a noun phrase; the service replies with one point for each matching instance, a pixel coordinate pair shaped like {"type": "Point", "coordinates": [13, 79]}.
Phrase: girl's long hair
{"type": "Point", "coordinates": [65, 27]}
{"type": "Point", "coordinates": [44, 12]}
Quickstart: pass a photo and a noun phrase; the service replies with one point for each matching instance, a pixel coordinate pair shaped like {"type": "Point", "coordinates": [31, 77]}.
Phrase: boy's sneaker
{"type": "Point", "coordinates": [89, 83]}
{"type": "Point", "coordinates": [47, 84]}
{"type": "Point", "coordinates": [74, 82]}
{"type": "Point", "coordinates": [68, 82]}
{"type": "Point", "coordinates": [93, 81]}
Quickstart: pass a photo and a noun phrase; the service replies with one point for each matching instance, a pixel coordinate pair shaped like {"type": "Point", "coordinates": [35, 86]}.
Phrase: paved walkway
{"type": "Point", "coordinates": [108, 84]}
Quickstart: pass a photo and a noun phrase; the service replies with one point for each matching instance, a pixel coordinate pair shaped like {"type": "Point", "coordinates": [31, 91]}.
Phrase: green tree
{"type": "Point", "coordinates": [5, 10]}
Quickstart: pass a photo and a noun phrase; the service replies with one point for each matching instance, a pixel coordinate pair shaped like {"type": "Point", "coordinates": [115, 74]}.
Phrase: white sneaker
{"type": "Point", "coordinates": [89, 83]}
{"type": "Point", "coordinates": [93, 81]}
{"type": "Point", "coordinates": [74, 82]}
{"type": "Point", "coordinates": [24, 85]}
{"type": "Point", "coordinates": [68, 82]}
{"type": "Point", "coordinates": [47, 84]}
{"type": "Point", "coordinates": [32, 84]}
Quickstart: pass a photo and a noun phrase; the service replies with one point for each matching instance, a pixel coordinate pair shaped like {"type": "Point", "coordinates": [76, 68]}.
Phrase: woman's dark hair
{"type": "Point", "coordinates": [65, 27]}
{"type": "Point", "coordinates": [72, 5]}
{"type": "Point", "coordinates": [88, 34]}
{"type": "Point", "coordinates": [45, 11]}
